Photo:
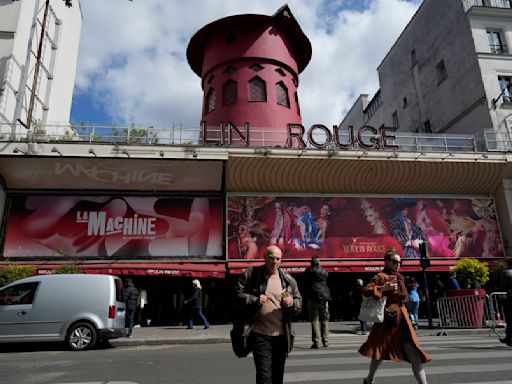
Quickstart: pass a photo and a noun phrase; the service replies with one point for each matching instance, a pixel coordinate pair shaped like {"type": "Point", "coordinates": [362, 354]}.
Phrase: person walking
{"type": "Point", "coordinates": [507, 310]}
{"type": "Point", "coordinates": [269, 297]}
{"type": "Point", "coordinates": [318, 302]}
{"type": "Point", "coordinates": [357, 298]}
{"type": "Point", "coordinates": [131, 295]}
{"type": "Point", "coordinates": [413, 304]}
{"type": "Point", "coordinates": [195, 305]}
{"type": "Point", "coordinates": [393, 339]}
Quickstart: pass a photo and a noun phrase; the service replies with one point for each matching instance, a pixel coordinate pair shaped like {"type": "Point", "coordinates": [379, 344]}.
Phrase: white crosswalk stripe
{"type": "Point", "coordinates": [456, 359]}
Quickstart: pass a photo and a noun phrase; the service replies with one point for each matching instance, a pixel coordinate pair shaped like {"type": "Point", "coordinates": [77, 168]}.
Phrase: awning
{"type": "Point", "coordinates": [186, 269]}
{"type": "Point", "coordinates": [371, 266]}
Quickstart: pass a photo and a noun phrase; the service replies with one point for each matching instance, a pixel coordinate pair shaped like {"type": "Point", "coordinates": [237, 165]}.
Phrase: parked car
{"type": "Point", "coordinates": [79, 309]}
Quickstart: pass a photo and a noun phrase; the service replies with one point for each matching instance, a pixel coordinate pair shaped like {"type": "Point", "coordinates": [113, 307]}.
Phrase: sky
{"type": "Point", "coordinates": [132, 66]}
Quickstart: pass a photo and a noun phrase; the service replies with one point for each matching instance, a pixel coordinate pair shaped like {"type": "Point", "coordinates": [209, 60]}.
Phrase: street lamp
{"type": "Point", "coordinates": [507, 88]}
{"type": "Point", "coordinates": [425, 263]}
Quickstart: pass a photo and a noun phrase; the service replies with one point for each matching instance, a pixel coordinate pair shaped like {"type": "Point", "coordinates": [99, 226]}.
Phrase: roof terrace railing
{"type": "Point", "coordinates": [468, 4]}
{"type": "Point", "coordinates": [488, 140]}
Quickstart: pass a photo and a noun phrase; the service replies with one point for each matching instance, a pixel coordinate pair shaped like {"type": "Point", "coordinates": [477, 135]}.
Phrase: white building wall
{"type": "Point", "coordinates": [60, 59]}
{"type": "Point", "coordinates": [492, 65]}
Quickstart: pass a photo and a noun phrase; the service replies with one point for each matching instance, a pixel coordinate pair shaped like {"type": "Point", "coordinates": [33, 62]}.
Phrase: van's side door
{"type": "Point", "coordinates": [15, 307]}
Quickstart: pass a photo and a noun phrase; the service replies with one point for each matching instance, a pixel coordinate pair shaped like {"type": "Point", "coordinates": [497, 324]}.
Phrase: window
{"type": "Point", "coordinates": [427, 128]}
{"type": "Point", "coordinates": [256, 67]}
{"type": "Point", "coordinates": [413, 58]}
{"type": "Point", "coordinates": [496, 43]}
{"type": "Point", "coordinates": [442, 74]}
{"type": "Point", "coordinates": [394, 116]}
{"type": "Point", "coordinates": [297, 103]}
{"type": "Point", "coordinates": [210, 100]}
{"type": "Point", "coordinates": [230, 93]}
{"type": "Point", "coordinates": [282, 95]}
{"type": "Point", "coordinates": [257, 89]}
{"type": "Point", "coordinates": [504, 82]}
{"type": "Point", "coordinates": [374, 104]}
{"type": "Point", "coordinates": [281, 72]}
{"type": "Point", "coordinates": [229, 70]}
{"type": "Point", "coordinates": [19, 294]}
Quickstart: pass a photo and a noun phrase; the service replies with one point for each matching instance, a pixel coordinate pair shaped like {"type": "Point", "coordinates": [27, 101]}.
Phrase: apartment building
{"type": "Point", "coordinates": [448, 72]}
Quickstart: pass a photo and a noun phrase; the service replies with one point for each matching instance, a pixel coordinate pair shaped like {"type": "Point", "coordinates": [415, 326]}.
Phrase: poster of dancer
{"type": "Point", "coordinates": [362, 227]}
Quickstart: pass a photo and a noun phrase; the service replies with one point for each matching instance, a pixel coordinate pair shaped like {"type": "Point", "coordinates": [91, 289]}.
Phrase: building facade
{"type": "Point", "coordinates": [449, 79]}
{"type": "Point", "coordinates": [162, 213]}
{"type": "Point", "coordinates": [38, 56]}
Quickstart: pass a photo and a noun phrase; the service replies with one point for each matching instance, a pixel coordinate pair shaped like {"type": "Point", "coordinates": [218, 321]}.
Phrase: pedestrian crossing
{"type": "Point", "coordinates": [463, 359]}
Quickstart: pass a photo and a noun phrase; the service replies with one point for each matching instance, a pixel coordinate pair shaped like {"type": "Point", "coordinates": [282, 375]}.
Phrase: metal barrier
{"type": "Point", "coordinates": [475, 311]}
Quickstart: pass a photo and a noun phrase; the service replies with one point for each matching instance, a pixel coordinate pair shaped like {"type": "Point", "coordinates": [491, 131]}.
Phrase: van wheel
{"type": "Point", "coordinates": [81, 336]}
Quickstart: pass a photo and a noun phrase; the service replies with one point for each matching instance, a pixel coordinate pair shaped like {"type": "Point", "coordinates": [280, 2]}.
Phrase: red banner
{"type": "Point", "coordinates": [114, 226]}
{"type": "Point", "coordinates": [362, 227]}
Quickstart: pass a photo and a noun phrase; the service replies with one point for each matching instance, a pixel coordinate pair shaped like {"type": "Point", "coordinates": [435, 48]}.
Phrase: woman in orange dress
{"type": "Point", "coordinates": [393, 339]}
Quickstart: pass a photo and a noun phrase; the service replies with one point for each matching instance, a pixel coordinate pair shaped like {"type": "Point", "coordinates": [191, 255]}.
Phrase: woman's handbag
{"type": "Point", "coordinates": [372, 310]}
{"type": "Point", "coordinates": [241, 339]}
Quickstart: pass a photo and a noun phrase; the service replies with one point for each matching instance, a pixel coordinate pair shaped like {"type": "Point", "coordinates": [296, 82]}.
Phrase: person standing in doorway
{"type": "Point", "coordinates": [357, 298]}
{"type": "Point", "coordinates": [269, 297]}
{"type": "Point", "coordinates": [195, 305]}
{"type": "Point", "coordinates": [318, 302]}
{"type": "Point", "coordinates": [142, 302]}
{"type": "Point", "coordinates": [131, 295]}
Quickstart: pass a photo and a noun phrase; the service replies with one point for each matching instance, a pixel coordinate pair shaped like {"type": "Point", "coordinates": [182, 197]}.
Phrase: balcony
{"type": "Point", "coordinates": [498, 49]}
{"type": "Point", "coordinates": [468, 4]}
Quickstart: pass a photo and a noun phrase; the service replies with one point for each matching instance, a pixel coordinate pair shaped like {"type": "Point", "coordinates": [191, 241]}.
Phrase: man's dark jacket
{"type": "Point", "coordinates": [252, 284]}
{"type": "Point", "coordinates": [131, 295]}
{"type": "Point", "coordinates": [316, 279]}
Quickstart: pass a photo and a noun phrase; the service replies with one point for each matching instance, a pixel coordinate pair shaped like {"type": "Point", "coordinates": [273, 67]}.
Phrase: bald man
{"type": "Point", "coordinates": [269, 297]}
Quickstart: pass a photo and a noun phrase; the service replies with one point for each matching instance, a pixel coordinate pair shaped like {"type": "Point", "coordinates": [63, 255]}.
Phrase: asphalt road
{"type": "Point", "coordinates": [457, 359]}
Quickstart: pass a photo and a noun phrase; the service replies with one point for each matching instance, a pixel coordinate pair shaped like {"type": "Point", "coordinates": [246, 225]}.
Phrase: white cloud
{"type": "Point", "coordinates": [132, 54]}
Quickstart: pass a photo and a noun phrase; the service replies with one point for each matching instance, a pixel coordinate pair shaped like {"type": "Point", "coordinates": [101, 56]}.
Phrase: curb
{"type": "Point", "coordinates": [225, 339]}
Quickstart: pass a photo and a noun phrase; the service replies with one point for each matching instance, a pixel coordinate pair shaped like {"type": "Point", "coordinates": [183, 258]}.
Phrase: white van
{"type": "Point", "coordinates": [79, 309]}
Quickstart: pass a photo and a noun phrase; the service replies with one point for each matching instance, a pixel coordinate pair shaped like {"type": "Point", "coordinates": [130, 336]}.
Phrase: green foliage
{"type": "Point", "coordinates": [67, 269]}
{"type": "Point", "coordinates": [468, 271]}
{"type": "Point", "coordinates": [13, 272]}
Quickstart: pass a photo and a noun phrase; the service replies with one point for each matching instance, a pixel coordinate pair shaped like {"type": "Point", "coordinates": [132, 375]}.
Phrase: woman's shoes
{"type": "Point", "coordinates": [365, 381]}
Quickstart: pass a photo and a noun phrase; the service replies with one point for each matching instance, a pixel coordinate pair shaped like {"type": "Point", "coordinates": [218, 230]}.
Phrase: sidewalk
{"type": "Point", "coordinates": [220, 333]}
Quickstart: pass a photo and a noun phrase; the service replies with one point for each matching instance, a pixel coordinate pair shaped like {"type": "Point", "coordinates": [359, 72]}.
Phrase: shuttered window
{"type": "Point", "coordinates": [282, 95]}
{"type": "Point", "coordinates": [230, 92]}
{"type": "Point", "coordinates": [257, 89]}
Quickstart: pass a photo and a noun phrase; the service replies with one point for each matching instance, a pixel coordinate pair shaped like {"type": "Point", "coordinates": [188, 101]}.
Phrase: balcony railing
{"type": "Point", "coordinates": [486, 3]}
{"type": "Point", "coordinates": [259, 137]}
{"type": "Point", "coordinates": [498, 49]}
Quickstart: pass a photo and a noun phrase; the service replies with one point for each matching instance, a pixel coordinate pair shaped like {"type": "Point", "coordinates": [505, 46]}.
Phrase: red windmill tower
{"type": "Point", "coordinates": [249, 67]}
